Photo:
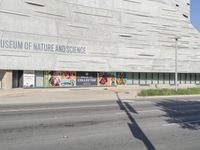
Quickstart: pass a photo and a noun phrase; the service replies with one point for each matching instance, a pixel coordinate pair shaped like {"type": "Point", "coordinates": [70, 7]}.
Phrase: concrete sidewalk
{"type": "Point", "coordinates": [61, 95]}
{"type": "Point", "coordinates": [28, 96]}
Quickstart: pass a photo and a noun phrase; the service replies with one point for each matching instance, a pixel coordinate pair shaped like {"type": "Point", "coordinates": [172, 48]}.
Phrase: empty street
{"type": "Point", "coordinates": [162, 124]}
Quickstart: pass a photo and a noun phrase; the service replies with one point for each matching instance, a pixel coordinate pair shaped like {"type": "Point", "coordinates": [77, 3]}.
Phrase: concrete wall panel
{"type": "Point", "coordinates": [118, 35]}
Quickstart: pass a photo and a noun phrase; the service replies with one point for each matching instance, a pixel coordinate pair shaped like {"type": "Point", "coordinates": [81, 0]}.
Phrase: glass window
{"type": "Point", "coordinates": [39, 76]}
{"type": "Point", "coordinates": [142, 78]}
{"type": "Point", "coordinates": [161, 78]}
{"type": "Point", "coordinates": [135, 78]}
{"type": "Point", "coordinates": [129, 78]}
{"type": "Point", "coordinates": [172, 78]}
{"type": "Point", "coordinates": [183, 78]}
{"type": "Point", "coordinates": [188, 78]}
{"type": "Point", "coordinates": [179, 78]}
{"type": "Point", "coordinates": [166, 78]}
{"type": "Point", "coordinates": [46, 78]}
{"type": "Point", "coordinates": [192, 78]}
{"type": "Point", "coordinates": [155, 78]}
{"type": "Point", "coordinates": [149, 78]}
{"type": "Point", "coordinates": [197, 78]}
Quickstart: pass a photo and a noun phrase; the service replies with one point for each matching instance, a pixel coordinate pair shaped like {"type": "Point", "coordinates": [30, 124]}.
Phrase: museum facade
{"type": "Point", "coordinates": [69, 43]}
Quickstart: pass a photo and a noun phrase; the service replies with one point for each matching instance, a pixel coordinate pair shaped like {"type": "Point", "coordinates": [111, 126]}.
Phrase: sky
{"type": "Point", "coordinates": [195, 13]}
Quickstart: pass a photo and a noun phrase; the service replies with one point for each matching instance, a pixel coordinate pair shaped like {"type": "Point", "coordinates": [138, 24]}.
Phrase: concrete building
{"type": "Point", "coordinates": [46, 43]}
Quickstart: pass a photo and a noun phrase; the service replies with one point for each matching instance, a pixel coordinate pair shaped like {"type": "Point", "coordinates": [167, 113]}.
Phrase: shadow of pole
{"type": "Point", "coordinates": [134, 127]}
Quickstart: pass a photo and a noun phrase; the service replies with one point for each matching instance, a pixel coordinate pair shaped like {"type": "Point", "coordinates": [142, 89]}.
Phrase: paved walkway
{"type": "Point", "coordinates": [60, 95]}
{"type": "Point", "coordinates": [19, 96]}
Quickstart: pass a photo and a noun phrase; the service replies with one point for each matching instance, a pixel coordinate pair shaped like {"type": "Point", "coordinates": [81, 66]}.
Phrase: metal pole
{"type": "Point", "coordinates": [176, 65]}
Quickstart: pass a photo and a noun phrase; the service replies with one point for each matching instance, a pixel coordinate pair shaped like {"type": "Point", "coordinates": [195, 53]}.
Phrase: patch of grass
{"type": "Point", "coordinates": [166, 92]}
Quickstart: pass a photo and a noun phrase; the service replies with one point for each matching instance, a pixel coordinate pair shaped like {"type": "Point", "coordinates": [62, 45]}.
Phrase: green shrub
{"type": "Point", "coordinates": [165, 92]}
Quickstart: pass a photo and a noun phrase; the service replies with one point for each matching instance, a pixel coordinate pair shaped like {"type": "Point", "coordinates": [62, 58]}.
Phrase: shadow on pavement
{"type": "Point", "coordinates": [134, 127]}
{"type": "Point", "coordinates": [184, 113]}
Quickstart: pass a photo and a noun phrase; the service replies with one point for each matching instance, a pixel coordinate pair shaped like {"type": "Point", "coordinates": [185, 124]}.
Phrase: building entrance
{"type": "Point", "coordinates": [17, 79]}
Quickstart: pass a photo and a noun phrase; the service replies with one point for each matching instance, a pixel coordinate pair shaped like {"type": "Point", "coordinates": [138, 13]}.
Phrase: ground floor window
{"type": "Point", "coordinates": [161, 78]}
{"type": "Point", "coordinates": [73, 78]}
{"type": "Point", "coordinates": [39, 78]}
{"type": "Point", "coordinates": [17, 78]}
{"type": "Point", "coordinates": [136, 78]}
{"type": "Point", "coordinates": [197, 78]}
{"type": "Point", "coordinates": [155, 78]}
{"type": "Point", "coordinates": [167, 78]}
{"type": "Point", "coordinates": [129, 77]}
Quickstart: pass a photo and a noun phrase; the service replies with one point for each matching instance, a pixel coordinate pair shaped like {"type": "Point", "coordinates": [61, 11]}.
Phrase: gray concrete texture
{"type": "Point", "coordinates": [119, 35]}
{"type": "Point", "coordinates": [90, 94]}
{"type": "Point", "coordinates": [28, 96]}
{"type": "Point", "coordinates": [164, 124]}
{"type": "Point", "coordinates": [5, 79]}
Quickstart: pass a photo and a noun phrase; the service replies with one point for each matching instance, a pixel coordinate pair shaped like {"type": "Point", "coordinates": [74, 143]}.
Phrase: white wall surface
{"type": "Point", "coordinates": [118, 35]}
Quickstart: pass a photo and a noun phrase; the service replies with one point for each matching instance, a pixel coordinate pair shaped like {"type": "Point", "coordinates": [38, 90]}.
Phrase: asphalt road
{"type": "Point", "coordinates": [167, 124]}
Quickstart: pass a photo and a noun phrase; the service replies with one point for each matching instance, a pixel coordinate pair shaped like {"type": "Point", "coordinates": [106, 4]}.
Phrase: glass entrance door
{"type": "Point", "coordinates": [17, 79]}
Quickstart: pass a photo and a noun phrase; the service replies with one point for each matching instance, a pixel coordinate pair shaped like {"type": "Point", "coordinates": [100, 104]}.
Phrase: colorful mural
{"type": "Point", "coordinates": [54, 79]}
{"type": "Point", "coordinates": [121, 78]}
{"type": "Point", "coordinates": [68, 79]}
{"type": "Point", "coordinates": [106, 79]}
{"type": "Point", "coordinates": [71, 79]}
{"type": "Point", "coordinates": [60, 79]}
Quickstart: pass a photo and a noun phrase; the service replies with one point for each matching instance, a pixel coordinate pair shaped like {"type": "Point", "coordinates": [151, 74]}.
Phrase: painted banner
{"type": "Point", "coordinates": [106, 79]}
{"type": "Point", "coordinates": [28, 79]}
{"type": "Point", "coordinates": [121, 78]}
{"type": "Point", "coordinates": [68, 79]}
{"type": "Point", "coordinates": [60, 79]}
{"type": "Point", "coordinates": [86, 79]}
{"type": "Point", "coordinates": [54, 79]}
